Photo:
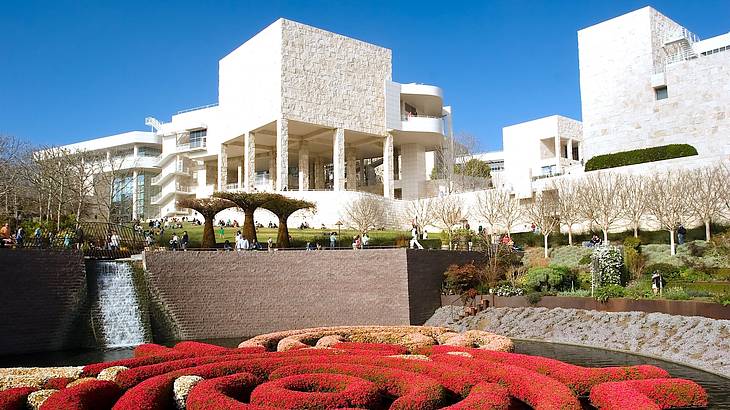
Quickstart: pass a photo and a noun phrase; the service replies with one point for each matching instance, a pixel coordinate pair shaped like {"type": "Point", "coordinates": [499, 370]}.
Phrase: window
{"type": "Point", "coordinates": [197, 138]}
{"type": "Point", "coordinates": [575, 153]}
{"type": "Point", "coordinates": [661, 93]}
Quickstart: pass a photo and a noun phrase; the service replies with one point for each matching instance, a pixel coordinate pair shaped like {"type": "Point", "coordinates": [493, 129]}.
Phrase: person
{"type": "Point", "coordinates": [37, 236]}
{"type": "Point", "coordinates": [681, 234]}
{"type": "Point", "coordinates": [414, 238]}
{"type": "Point", "coordinates": [5, 234]}
{"type": "Point", "coordinates": [356, 242]}
{"type": "Point", "coordinates": [227, 245]}
{"type": "Point", "coordinates": [67, 240]}
{"type": "Point", "coordinates": [174, 241]}
{"type": "Point", "coordinates": [595, 241]}
{"type": "Point", "coordinates": [270, 245]}
{"type": "Point", "coordinates": [185, 240]}
{"type": "Point", "coordinates": [425, 234]}
{"type": "Point", "coordinates": [656, 282]}
{"type": "Point", "coordinates": [365, 240]}
{"type": "Point", "coordinates": [333, 240]}
{"type": "Point", "coordinates": [148, 239]}
{"type": "Point", "coordinates": [114, 241]}
{"type": "Point", "coordinates": [19, 237]}
{"type": "Point", "coordinates": [256, 245]}
{"type": "Point", "coordinates": [79, 237]}
{"type": "Point", "coordinates": [319, 247]}
{"type": "Point", "coordinates": [222, 231]}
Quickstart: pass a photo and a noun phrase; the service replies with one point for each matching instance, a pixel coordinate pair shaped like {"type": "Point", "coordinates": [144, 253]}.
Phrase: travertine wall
{"type": "Point", "coordinates": [43, 294]}
{"type": "Point", "coordinates": [230, 294]}
{"type": "Point", "coordinates": [332, 80]}
{"type": "Point", "coordinates": [617, 61]}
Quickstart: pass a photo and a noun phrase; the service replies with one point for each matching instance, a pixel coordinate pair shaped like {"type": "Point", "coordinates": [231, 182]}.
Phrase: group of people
{"type": "Point", "coordinates": [176, 242]}
{"type": "Point", "coordinates": [241, 243]}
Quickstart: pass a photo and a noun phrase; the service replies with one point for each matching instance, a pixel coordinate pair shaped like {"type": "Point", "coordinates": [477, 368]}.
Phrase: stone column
{"type": "Point", "coordinates": [135, 189]}
{"type": "Point", "coordinates": [272, 170]}
{"type": "Point", "coordinates": [413, 170]}
{"type": "Point", "coordinates": [570, 149]}
{"type": "Point", "coordinates": [223, 168]}
{"type": "Point", "coordinates": [388, 189]}
{"type": "Point", "coordinates": [282, 150]}
{"type": "Point", "coordinates": [239, 181]}
{"type": "Point", "coordinates": [338, 159]}
{"type": "Point", "coordinates": [249, 161]}
{"type": "Point", "coordinates": [304, 166]}
{"type": "Point", "coordinates": [363, 173]}
{"type": "Point", "coordinates": [318, 173]}
{"type": "Point", "coordinates": [557, 154]}
{"type": "Point", "coordinates": [351, 172]}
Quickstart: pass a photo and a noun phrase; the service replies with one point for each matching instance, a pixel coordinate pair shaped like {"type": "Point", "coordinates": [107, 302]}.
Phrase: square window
{"type": "Point", "coordinates": [661, 93]}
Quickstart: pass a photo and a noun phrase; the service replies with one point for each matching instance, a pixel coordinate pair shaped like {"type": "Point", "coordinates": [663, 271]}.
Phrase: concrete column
{"type": "Point", "coordinates": [338, 159]}
{"type": "Point", "coordinates": [202, 178]}
{"type": "Point", "coordinates": [239, 181]}
{"type": "Point", "coordinates": [282, 150]}
{"type": "Point", "coordinates": [557, 154]}
{"type": "Point", "coordinates": [223, 168]}
{"type": "Point", "coordinates": [304, 166]}
{"type": "Point", "coordinates": [363, 173]}
{"type": "Point", "coordinates": [570, 149]}
{"type": "Point", "coordinates": [351, 171]}
{"type": "Point", "coordinates": [318, 173]}
{"type": "Point", "coordinates": [272, 169]}
{"type": "Point", "coordinates": [413, 171]}
{"type": "Point", "coordinates": [249, 161]}
{"type": "Point", "coordinates": [136, 150]}
{"type": "Point", "coordinates": [135, 189]}
{"type": "Point", "coordinates": [388, 188]}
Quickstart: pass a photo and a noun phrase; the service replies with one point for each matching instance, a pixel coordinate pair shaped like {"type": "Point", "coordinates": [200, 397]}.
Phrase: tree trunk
{"type": "Point", "coordinates": [636, 230]}
{"type": "Point", "coordinates": [570, 235]}
{"type": "Point", "coordinates": [546, 245]}
{"type": "Point", "coordinates": [249, 229]}
{"type": "Point", "coordinates": [605, 236]}
{"type": "Point", "coordinates": [707, 230]}
{"type": "Point", "coordinates": [282, 235]}
{"type": "Point", "coordinates": [672, 248]}
{"type": "Point", "coordinates": [208, 240]}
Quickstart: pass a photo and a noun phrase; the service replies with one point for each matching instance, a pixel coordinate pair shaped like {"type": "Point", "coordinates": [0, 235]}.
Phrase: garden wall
{"type": "Point", "coordinates": [671, 307]}
{"type": "Point", "coordinates": [43, 294]}
{"type": "Point", "coordinates": [235, 294]}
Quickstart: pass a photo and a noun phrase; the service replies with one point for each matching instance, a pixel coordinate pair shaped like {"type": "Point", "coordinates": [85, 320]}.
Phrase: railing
{"type": "Point", "coordinates": [202, 107]}
{"type": "Point", "coordinates": [405, 117]}
{"type": "Point", "coordinates": [232, 186]}
{"type": "Point", "coordinates": [178, 188]}
{"type": "Point", "coordinates": [550, 175]}
{"type": "Point", "coordinates": [184, 169]}
{"type": "Point", "coordinates": [191, 145]}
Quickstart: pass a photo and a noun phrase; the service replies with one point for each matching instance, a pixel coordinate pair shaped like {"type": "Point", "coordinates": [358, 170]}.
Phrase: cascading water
{"type": "Point", "coordinates": [116, 307]}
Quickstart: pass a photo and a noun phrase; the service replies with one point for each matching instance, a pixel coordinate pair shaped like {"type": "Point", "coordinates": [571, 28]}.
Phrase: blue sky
{"type": "Point", "coordinates": [76, 70]}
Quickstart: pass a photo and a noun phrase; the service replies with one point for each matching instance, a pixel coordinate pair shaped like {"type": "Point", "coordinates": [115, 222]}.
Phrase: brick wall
{"type": "Point", "coordinates": [229, 294]}
{"type": "Point", "coordinates": [42, 293]}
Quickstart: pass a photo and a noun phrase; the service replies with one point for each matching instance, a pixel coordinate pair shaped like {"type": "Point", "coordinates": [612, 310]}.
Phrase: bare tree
{"type": "Point", "coordinates": [448, 213]}
{"type": "Point", "coordinates": [633, 197]}
{"type": "Point", "coordinates": [499, 209]}
{"type": "Point", "coordinates": [667, 201]}
{"type": "Point", "coordinates": [488, 209]}
{"type": "Point", "coordinates": [568, 205]}
{"type": "Point", "coordinates": [112, 182]}
{"type": "Point", "coordinates": [543, 211]}
{"type": "Point", "coordinates": [364, 214]}
{"type": "Point", "coordinates": [454, 163]}
{"type": "Point", "coordinates": [421, 212]}
{"type": "Point", "coordinates": [600, 201]}
{"type": "Point", "coordinates": [708, 193]}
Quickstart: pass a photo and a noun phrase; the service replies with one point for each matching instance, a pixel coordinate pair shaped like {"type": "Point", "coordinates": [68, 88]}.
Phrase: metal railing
{"type": "Point", "coordinates": [406, 116]}
{"type": "Point", "coordinates": [202, 107]}
{"type": "Point", "coordinates": [191, 145]}
{"type": "Point", "coordinates": [233, 185]}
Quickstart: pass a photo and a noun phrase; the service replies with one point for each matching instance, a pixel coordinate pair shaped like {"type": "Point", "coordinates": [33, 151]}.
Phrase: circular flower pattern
{"type": "Point", "coordinates": [356, 370]}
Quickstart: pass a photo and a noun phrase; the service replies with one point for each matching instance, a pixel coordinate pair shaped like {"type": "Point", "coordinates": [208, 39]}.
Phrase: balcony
{"type": "Point", "coordinates": [422, 123]}
{"type": "Point", "coordinates": [178, 189]}
{"type": "Point", "coordinates": [178, 170]}
{"type": "Point", "coordinates": [191, 146]}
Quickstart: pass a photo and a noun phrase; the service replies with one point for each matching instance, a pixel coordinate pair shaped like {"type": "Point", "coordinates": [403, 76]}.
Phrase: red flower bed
{"type": "Point", "coordinates": [317, 391]}
{"type": "Point", "coordinates": [56, 383]}
{"type": "Point", "coordinates": [362, 375]}
{"type": "Point", "coordinates": [648, 394]}
{"type": "Point", "coordinates": [15, 399]}
{"type": "Point", "coordinates": [91, 395]}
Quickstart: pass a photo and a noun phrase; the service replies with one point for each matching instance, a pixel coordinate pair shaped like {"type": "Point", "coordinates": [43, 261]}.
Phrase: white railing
{"type": "Point", "coordinates": [232, 186]}
{"type": "Point", "coordinates": [178, 188]}
{"type": "Point", "coordinates": [406, 116]}
{"type": "Point", "coordinates": [202, 107]}
{"type": "Point", "coordinates": [191, 145]}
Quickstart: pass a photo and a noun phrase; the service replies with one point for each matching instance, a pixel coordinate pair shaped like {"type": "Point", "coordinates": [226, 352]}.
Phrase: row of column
{"type": "Point", "coordinates": [343, 158]}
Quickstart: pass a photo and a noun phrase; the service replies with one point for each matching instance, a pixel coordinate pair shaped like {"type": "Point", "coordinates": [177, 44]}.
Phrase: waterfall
{"type": "Point", "coordinates": [116, 308]}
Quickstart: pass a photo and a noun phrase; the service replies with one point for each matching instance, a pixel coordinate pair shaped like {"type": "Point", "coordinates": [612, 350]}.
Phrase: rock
{"type": "Point", "coordinates": [110, 373]}
{"type": "Point", "coordinates": [36, 399]}
{"type": "Point", "coordinates": [181, 388]}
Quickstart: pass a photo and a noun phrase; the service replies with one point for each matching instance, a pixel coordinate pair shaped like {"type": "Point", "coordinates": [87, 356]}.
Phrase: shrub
{"type": "Point", "coordinates": [675, 293]}
{"type": "Point", "coordinates": [723, 299]}
{"type": "Point", "coordinates": [666, 270]}
{"type": "Point", "coordinates": [633, 243]}
{"type": "Point", "coordinates": [585, 260]}
{"type": "Point", "coordinates": [640, 156]}
{"type": "Point", "coordinates": [578, 293]}
{"type": "Point", "coordinates": [694, 275]}
{"type": "Point", "coordinates": [15, 398]}
{"type": "Point", "coordinates": [584, 280]}
{"type": "Point", "coordinates": [606, 292]}
{"type": "Point", "coordinates": [695, 293]}
{"type": "Point", "coordinates": [648, 394]}
{"type": "Point", "coordinates": [607, 265]}
{"type": "Point", "coordinates": [533, 298]}
{"type": "Point", "coordinates": [552, 278]}
{"type": "Point", "coordinates": [508, 290]}
{"type": "Point", "coordinates": [310, 391]}
{"type": "Point", "coordinates": [639, 290]}
{"type": "Point", "coordinates": [92, 394]}
{"type": "Point", "coordinates": [461, 278]}
{"type": "Point", "coordinates": [633, 258]}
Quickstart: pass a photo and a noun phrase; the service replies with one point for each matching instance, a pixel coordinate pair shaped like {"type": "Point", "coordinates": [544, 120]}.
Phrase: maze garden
{"type": "Point", "coordinates": [346, 368]}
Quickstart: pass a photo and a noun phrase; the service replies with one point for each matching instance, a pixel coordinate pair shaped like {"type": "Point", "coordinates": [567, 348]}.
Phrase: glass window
{"type": "Point", "coordinates": [661, 93]}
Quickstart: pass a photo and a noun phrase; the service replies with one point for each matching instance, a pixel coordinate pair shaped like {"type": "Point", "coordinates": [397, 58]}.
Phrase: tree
{"type": "Point", "coordinates": [421, 212]}
{"type": "Point", "coordinates": [248, 202]}
{"type": "Point", "coordinates": [283, 208]}
{"type": "Point", "coordinates": [112, 182]}
{"type": "Point", "coordinates": [499, 209]}
{"type": "Point", "coordinates": [708, 193]}
{"type": "Point", "coordinates": [454, 163]}
{"type": "Point", "coordinates": [208, 208]}
{"type": "Point", "coordinates": [633, 197]}
{"type": "Point", "coordinates": [448, 212]}
{"type": "Point", "coordinates": [600, 201]}
{"type": "Point", "coordinates": [667, 201]}
{"type": "Point", "coordinates": [568, 205]}
{"type": "Point", "coordinates": [543, 210]}
{"type": "Point", "coordinates": [364, 214]}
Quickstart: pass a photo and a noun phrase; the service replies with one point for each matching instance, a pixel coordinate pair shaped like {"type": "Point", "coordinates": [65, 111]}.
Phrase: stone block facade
{"type": "Point", "coordinates": [332, 80]}
{"type": "Point", "coordinates": [43, 294]}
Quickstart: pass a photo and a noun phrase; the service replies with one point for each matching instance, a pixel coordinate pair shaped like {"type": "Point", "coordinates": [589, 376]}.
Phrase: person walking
{"type": "Point", "coordinates": [365, 240]}
{"type": "Point", "coordinates": [115, 239]}
{"type": "Point", "coordinates": [19, 237]}
{"type": "Point", "coordinates": [174, 241]}
{"type": "Point", "coordinates": [333, 240]}
{"type": "Point", "coordinates": [185, 240]}
{"type": "Point", "coordinates": [37, 237]}
{"type": "Point", "coordinates": [270, 245]}
{"type": "Point", "coordinates": [681, 234]}
{"type": "Point", "coordinates": [414, 238]}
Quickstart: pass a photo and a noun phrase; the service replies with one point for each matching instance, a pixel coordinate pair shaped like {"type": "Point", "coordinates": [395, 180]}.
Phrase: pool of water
{"type": "Point", "coordinates": [717, 387]}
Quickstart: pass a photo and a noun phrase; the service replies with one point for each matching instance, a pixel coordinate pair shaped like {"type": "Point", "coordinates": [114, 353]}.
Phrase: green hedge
{"type": "Point", "coordinates": [640, 156]}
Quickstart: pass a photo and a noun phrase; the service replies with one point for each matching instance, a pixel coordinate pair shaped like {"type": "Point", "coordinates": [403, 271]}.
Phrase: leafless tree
{"type": "Point", "coordinates": [543, 211]}
{"type": "Point", "coordinates": [707, 193]}
{"type": "Point", "coordinates": [667, 201]}
{"type": "Point", "coordinates": [499, 209]}
{"type": "Point", "coordinates": [453, 154]}
{"type": "Point", "coordinates": [112, 179]}
{"type": "Point", "coordinates": [600, 199]}
{"type": "Point", "coordinates": [568, 204]}
{"type": "Point", "coordinates": [421, 212]}
{"type": "Point", "coordinates": [364, 214]}
{"type": "Point", "coordinates": [449, 212]}
{"type": "Point", "coordinates": [633, 197]}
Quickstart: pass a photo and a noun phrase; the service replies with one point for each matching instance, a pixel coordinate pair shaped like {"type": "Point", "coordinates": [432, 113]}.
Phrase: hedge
{"type": "Point", "coordinates": [640, 156]}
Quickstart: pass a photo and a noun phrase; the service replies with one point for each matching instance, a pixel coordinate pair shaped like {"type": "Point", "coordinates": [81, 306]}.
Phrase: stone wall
{"type": "Point", "coordinates": [696, 341]}
{"type": "Point", "coordinates": [43, 294]}
{"type": "Point", "coordinates": [332, 80]}
{"type": "Point", "coordinates": [231, 294]}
